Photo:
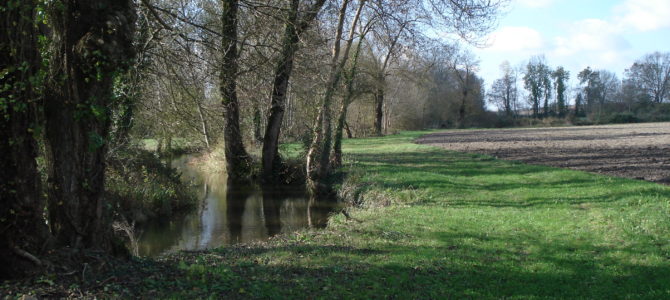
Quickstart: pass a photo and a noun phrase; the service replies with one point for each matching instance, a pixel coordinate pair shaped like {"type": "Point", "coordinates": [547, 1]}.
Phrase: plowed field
{"type": "Point", "coordinates": [639, 151]}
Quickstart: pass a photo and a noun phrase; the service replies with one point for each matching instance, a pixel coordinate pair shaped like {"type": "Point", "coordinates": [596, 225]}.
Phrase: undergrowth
{"type": "Point", "coordinates": [142, 187]}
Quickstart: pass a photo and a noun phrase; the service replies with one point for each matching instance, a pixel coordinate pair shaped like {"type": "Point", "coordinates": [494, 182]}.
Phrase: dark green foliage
{"type": "Point", "coordinates": [624, 117]}
{"type": "Point", "coordinates": [561, 76]}
{"type": "Point", "coordinates": [538, 83]}
{"type": "Point", "coordinates": [613, 113]}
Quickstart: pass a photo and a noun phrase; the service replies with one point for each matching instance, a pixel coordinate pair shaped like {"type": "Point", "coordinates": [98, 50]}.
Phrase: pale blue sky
{"type": "Point", "coordinates": [575, 34]}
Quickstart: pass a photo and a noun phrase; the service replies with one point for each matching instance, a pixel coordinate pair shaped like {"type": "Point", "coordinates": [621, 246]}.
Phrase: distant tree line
{"type": "Point", "coordinates": [599, 97]}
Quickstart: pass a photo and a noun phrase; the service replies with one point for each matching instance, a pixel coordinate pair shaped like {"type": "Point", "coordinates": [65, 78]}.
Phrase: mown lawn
{"type": "Point", "coordinates": [440, 224]}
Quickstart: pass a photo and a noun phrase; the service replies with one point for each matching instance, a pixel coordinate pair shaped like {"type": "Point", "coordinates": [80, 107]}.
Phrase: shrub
{"type": "Point", "coordinates": [625, 117]}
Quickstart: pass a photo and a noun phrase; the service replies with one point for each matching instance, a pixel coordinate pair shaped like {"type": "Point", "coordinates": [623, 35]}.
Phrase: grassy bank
{"type": "Point", "coordinates": [437, 224]}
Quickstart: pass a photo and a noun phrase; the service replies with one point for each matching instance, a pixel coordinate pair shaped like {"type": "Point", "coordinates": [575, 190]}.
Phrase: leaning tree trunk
{"type": "Point", "coordinates": [203, 124]}
{"type": "Point", "coordinates": [350, 135]}
{"type": "Point", "coordinates": [92, 42]}
{"type": "Point", "coordinates": [318, 155]}
{"type": "Point", "coordinates": [284, 68]}
{"type": "Point", "coordinates": [271, 159]}
{"type": "Point", "coordinates": [313, 162]}
{"type": "Point", "coordinates": [237, 158]}
{"type": "Point", "coordinates": [336, 158]}
{"type": "Point", "coordinates": [22, 227]}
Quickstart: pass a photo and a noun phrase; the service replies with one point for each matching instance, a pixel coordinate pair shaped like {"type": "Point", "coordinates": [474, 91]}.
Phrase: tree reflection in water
{"type": "Point", "coordinates": [228, 214]}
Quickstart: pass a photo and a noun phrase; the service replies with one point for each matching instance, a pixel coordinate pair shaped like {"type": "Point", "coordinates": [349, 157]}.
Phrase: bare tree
{"type": "Point", "coordinates": [394, 28]}
{"type": "Point", "coordinates": [652, 74]}
{"type": "Point", "coordinates": [464, 65]}
{"type": "Point", "coordinates": [294, 28]}
{"type": "Point", "coordinates": [504, 92]}
{"type": "Point", "coordinates": [318, 155]}
{"type": "Point", "coordinates": [611, 85]}
{"type": "Point", "coordinates": [349, 96]}
{"type": "Point", "coordinates": [237, 158]}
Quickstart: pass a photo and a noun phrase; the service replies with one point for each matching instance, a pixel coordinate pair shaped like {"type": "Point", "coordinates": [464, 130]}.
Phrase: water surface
{"type": "Point", "coordinates": [229, 214]}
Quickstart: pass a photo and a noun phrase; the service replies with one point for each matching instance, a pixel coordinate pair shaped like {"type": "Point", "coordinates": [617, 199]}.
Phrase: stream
{"type": "Point", "coordinates": [230, 214]}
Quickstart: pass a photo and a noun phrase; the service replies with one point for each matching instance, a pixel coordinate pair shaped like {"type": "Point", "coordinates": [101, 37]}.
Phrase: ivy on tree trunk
{"type": "Point", "coordinates": [91, 45]}
{"type": "Point", "coordinates": [22, 227]}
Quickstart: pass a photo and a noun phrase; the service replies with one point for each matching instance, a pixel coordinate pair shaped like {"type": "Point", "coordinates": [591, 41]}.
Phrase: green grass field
{"type": "Point", "coordinates": [441, 224]}
{"type": "Point", "coordinates": [435, 224]}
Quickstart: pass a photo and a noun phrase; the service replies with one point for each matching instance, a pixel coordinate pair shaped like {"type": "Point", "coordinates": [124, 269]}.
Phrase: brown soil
{"type": "Point", "coordinates": [639, 151]}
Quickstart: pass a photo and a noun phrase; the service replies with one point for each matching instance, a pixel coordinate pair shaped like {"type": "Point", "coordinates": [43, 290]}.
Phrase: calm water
{"type": "Point", "coordinates": [227, 215]}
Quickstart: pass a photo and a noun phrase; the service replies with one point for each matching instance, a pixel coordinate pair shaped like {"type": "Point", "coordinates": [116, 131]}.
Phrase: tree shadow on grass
{"type": "Point", "coordinates": [460, 264]}
{"type": "Point", "coordinates": [450, 270]}
{"type": "Point", "coordinates": [456, 176]}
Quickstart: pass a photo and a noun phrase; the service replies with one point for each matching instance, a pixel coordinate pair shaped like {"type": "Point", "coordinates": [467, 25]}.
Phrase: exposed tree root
{"type": "Point", "coordinates": [22, 253]}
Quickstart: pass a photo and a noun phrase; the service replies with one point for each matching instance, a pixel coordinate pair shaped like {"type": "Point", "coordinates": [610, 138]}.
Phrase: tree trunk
{"type": "Point", "coordinates": [284, 68]}
{"type": "Point", "coordinates": [91, 42]}
{"type": "Point", "coordinates": [336, 159]}
{"type": "Point", "coordinates": [347, 129]}
{"type": "Point", "coordinates": [508, 97]}
{"type": "Point", "coordinates": [271, 159]}
{"type": "Point", "coordinates": [461, 108]}
{"type": "Point", "coordinates": [318, 155]}
{"type": "Point", "coordinates": [237, 159]}
{"type": "Point", "coordinates": [313, 163]}
{"type": "Point", "coordinates": [203, 123]}
{"type": "Point", "coordinates": [168, 144]}
{"type": "Point", "coordinates": [379, 110]}
{"type": "Point", "coordinates": [23, 230]}
{"type": "Point", "coordinates": [258, 137]}
{"type": "Point", "coordinates": [381, 81]}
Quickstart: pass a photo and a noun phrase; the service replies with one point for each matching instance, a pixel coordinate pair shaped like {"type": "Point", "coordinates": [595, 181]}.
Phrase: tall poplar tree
{"type": "Point", "coordinates": [560, 76]}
